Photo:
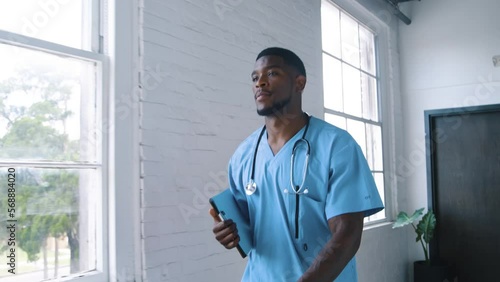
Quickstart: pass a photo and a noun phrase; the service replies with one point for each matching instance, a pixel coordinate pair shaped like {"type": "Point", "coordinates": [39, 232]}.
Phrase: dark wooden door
{"type": "Point", "coordinates": [464, 178]}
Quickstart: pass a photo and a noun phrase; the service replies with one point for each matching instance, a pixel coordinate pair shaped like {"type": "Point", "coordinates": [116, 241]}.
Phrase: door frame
{"type": "Point", "coordinates": [430, 141]}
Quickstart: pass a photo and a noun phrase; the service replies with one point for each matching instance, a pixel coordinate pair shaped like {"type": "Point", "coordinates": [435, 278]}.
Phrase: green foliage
{"type": "Point", "coordinates": [33, 130]}
{"type": "Point", "coordinates": [46, 199]}
{"type": "Point", "coordinates": [29, 138]}
{"type": "Point", "coordinates": [424, 229]}
{"type": "Point", "coordinates": [426, 226]}
{"type": "Point", "coordinates": [31, 237]}
{"type": "Point", "coordinates": [403, 219]}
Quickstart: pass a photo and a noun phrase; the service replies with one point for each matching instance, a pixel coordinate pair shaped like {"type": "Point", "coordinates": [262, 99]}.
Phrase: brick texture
{"type": "Point", "coordinates": [196, 107]}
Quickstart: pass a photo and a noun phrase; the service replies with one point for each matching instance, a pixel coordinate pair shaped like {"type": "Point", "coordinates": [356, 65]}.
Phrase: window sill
{"type": "Point", "coordinates": [375, 225]}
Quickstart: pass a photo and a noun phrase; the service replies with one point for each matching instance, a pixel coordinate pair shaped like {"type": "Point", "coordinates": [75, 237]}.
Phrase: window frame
{"type": "Point", "coordinates": [385, 89]}
{"type": "Point", "coordinates": [124, 194]}
{"type": "Point", "coordinates": [30, 43]}
{"type": "Point", "coordinates": [116, 55]}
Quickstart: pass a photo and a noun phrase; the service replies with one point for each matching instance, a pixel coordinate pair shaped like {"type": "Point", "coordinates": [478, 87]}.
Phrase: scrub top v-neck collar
{"type": "Point", "coordinates": [285, 146]}
{"type": "Point", "coordinates": [269, 150]}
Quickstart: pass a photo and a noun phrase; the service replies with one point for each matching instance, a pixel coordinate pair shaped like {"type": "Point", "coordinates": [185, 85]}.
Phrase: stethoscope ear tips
{"type": "Point", "coordinates": [285, 191]}
{"type": "Point", "coordinates": [306, 191]}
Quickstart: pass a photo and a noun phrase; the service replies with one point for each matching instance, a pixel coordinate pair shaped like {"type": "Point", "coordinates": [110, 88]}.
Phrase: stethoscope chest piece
{"type": "Point", "coordinates": [250, 188]}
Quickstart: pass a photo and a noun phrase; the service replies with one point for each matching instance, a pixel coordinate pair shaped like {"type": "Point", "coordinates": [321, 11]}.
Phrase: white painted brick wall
{"type": "Point", "coordinates": [196, 108]}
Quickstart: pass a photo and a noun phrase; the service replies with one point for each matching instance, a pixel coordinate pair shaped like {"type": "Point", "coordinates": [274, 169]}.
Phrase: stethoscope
{"type": "Point", "coordinates": [251, 187]}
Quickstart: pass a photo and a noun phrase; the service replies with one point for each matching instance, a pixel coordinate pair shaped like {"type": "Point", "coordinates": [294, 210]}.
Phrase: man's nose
{"type": "Point", "coordinates": [261, 82]}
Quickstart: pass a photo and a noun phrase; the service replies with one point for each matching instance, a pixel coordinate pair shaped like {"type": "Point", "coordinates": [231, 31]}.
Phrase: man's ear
{"type": "Point", "coordinates": [300, 83]}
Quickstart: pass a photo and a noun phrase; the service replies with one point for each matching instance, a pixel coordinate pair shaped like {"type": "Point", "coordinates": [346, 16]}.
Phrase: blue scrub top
{"type": "Point", "coordinates": [289, 230]}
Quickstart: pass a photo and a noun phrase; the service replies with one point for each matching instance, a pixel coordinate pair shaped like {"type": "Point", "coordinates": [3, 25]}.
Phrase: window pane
{"type": "Point", "coordinates": [47, 107]}
{"type": "Point", "coordinates": [338, 121]}
{"type": "Point", "coordinates": [357, 130]}
{"type": "Point", "coordinates": [350, 39]}
{"type": "Point", "coordinates": [367, 49]}
{"type": "Point", "coordinates": [61, 22]}
{"type": "Point", "coordinates": [358, 83]}
{"type": "Point", "coordinates": [352, 90]}
{"type": "Point", "coordinates": [55, 216]}
{"type": "Point", "coordinates": [330, 28]}
{"type": "Point", "coordinates": [369, 96]}
{"type": "Point", "coordinates": [332, 83]}
{"type": "Point", "coordinates": [374, 147]}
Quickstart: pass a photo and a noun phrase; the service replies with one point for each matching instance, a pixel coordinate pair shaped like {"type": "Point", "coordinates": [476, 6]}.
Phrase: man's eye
{"type": "Point", "coordinates": [254, 78]}
{"type": "Point", "coordinates": [271, 73]}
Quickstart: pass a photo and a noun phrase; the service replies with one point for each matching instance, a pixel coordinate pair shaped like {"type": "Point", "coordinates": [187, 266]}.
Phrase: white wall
{"type": "Point", "coordinates": [197, 106]}
{"type": "Point", "coordinates": [446, 61]}
{"type": "Point", "coordinates": [196, 109]}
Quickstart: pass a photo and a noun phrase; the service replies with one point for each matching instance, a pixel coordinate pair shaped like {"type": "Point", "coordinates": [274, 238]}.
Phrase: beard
{"type": "Point", "coordinates": [275, 108]}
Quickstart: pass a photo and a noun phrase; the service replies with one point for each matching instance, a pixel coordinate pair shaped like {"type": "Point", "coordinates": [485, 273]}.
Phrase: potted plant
{"type": "Point", "coordinates": [427, 270]}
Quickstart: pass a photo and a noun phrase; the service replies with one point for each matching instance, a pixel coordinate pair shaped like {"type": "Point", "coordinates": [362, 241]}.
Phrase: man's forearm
{"type": "Point", "coordinates": [330, 261]}
{"type": "Point", "coordinates": [339, 250]}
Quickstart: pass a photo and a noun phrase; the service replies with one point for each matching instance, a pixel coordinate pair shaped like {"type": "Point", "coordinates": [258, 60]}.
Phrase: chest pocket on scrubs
{"type": "Point", "coordinates": [305, 199]}
{"type": "Point", "coordinates": [307, 210]}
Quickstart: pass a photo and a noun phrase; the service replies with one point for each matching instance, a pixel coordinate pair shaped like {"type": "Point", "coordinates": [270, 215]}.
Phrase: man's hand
{"type": "Point", "coordinates": [225, 231]}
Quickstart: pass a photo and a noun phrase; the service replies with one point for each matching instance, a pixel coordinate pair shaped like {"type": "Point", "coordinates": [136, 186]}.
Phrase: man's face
{"type": "Point", "coordinates": [273, 85]}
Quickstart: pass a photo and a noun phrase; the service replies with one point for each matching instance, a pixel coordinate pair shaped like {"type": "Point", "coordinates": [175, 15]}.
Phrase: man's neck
{"type": "Point", "coordinates": [282, 128]}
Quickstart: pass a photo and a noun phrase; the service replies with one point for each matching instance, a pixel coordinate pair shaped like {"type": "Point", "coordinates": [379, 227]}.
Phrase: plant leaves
{"type": "Point", "coordinates": [426, 226]}
{"type": "Point", "coordinates": [403, 219]}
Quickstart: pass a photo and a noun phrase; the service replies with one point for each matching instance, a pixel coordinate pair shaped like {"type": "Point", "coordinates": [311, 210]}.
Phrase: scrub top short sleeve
{"type": "Point", "coordinates": [351, 187]}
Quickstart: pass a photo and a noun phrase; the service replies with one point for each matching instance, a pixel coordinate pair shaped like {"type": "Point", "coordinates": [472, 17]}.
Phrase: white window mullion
{"type": "Point", "coordinates": [333, 112]}
{"type": "Point", "coordinates": [48, 47]}
{"type": "Point", "coordinates": [92, 13]}
{"type": "Point", "coordinates": [53, 165]}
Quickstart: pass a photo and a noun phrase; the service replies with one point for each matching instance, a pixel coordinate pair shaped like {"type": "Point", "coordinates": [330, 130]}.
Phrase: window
{"type": "Point", "coordinates": [52, 160]}
{"type": "Point", "coordinates": [351, 83]}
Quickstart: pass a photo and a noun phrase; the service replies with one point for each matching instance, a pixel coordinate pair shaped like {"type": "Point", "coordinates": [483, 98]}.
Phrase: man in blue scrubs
{"type": "Point", "coordinates": [306, 224]}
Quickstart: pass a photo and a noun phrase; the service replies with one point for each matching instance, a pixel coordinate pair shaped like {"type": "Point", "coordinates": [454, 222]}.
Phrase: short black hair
{"type": "Point", "coordinates": [289, 57]}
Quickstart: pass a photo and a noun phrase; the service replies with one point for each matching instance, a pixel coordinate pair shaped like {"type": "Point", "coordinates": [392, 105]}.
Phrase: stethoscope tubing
{"type": "Point", "coordinates": [251, 187]}
{"type": "Point", "coordinates": [304, 171]}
